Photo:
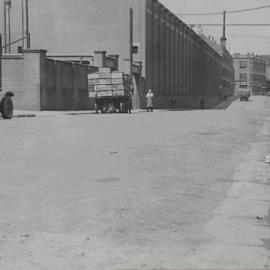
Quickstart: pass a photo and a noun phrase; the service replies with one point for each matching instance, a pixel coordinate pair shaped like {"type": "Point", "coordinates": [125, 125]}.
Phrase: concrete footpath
{"type": "Point", "coordinates": [24, 113]}
{"type": "Point", "coordinates": [239, 231]}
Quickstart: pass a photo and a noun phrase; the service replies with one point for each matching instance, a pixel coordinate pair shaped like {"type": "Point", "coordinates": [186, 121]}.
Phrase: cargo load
{"type": "Point", "coordinates": [109, 89]}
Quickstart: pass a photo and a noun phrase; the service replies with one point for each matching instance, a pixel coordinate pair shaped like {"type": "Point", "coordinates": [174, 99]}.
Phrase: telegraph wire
{"type": "Point", "coordinates": [230, 24]}
{"type": "Point", "coordinates": [247, 9]}
{"type": "Point", "coordinates": [220, 13]}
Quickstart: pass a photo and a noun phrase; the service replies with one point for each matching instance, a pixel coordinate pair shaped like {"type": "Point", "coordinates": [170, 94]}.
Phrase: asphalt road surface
{"type": "Point", "coordinates": [162, 190]}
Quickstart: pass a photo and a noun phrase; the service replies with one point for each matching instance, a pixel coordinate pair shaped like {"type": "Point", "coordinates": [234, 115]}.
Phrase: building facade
{"type": "Point", "coordinates": [250, 73]}
{"type": "Point", "coordinates": [227, 68]}
{"type": "Point", "coordinates": [267, 72]}
{"type": "Point", "coordinates": [227, 74]}
{"type": "Point", "coordinates": [176, 63]}
{"type": "Point", "coordinates": [180, 66]}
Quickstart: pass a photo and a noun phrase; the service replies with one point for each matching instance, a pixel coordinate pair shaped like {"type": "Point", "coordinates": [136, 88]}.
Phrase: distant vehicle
{"type": "Point", "coordinates": [6, 104]}
{"type": "Point", "coordinates": [268, 94]}
{"type": "Point", "coordinates": [243, 94]}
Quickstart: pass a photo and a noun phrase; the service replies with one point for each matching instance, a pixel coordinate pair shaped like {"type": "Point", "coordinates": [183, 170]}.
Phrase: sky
{"type": "Point", "coordinates": [239, 39]}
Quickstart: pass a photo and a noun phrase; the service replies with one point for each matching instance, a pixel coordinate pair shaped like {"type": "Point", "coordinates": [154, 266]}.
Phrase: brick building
{"type": "Point", "coordinates": [250, 73]}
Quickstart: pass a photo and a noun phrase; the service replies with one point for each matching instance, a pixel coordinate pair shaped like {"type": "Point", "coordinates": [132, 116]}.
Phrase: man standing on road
{"type": "Point", "coordinates": [149, 101]}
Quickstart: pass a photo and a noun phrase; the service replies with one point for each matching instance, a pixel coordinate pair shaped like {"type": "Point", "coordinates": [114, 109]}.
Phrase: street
{"type": "Point", "coordinates": [162, 190]}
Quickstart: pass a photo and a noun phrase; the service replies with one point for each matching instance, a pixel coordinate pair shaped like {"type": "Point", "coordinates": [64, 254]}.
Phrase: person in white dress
{"type": "Point", "coordinates": [149, 101]}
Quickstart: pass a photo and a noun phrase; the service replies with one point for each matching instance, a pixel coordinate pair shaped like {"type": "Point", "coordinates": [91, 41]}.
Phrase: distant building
{"type": "Point", "coordinates": [250, 73]}
{"type": "Point", "coordinates": [267, 71]}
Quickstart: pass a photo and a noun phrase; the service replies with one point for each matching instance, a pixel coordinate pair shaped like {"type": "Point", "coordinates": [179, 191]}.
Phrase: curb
{"type": "Point", "coordinates": [24, 115]}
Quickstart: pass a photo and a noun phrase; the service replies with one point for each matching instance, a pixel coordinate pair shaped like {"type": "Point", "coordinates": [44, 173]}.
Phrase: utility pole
{"type": "Point", "coordinates": [131, 44]}
{"type": "Point", "coordinates": [23, 23]}
{"type": "Point", "coordinates": [5, 26]}
{"type": "Point", "coordinates": [28, 38]}
{"type": "Point", "coordinates": [224, 39]}
{"type": "Point", "coordinates": [9, 27]}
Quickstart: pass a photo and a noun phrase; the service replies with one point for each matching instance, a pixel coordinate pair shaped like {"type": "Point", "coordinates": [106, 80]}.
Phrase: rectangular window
{"type": "Point", "coordinates": [243, 64]}
{"type": "Point", "coordinates": [243, 86]}
{"type": "Point", "coordinates": [243, 77]}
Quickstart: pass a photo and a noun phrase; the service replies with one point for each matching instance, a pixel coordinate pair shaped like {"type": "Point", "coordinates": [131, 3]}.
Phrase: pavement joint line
{"type": "Point", "coordinates": [248, 199]}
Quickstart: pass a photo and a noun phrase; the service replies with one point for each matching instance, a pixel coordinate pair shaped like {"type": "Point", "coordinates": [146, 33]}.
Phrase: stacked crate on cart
{"type": "Point", "coordinates": [106, 83]}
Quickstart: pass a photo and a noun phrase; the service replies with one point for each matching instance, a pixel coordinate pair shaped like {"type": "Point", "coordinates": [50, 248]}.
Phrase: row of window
{"type": "Point", "coordinates": [253, 78]}
{"type": "Point", "coordinates": [256, 67]}
{"type": "Point", "coordinates": [243, 64]}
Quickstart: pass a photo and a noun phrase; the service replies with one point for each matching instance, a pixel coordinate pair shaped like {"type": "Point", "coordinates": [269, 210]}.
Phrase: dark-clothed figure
{"type": "Point", "coordinates": [202, 103]}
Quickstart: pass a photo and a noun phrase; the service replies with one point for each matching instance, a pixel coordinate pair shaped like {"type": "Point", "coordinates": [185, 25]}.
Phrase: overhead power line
{"type": "Point", "coordinates": [221, 12]}
{"type": "Point", "coordinates": [230, 24]}
{"type": "Point", "coordinates": [199, 14]}
{"type": "Point", "coordinates": [247, 9]}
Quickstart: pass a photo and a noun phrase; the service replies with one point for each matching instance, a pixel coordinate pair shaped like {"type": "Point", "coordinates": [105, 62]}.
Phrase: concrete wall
{"type": "Point", "coordinates": [189, 102]}
{"type": "Point", "coordinates": [65, 86]}
{"type": "Point", "coordinates": [21, 75]}
{"type": "Point", "coordinates": [40, 83]}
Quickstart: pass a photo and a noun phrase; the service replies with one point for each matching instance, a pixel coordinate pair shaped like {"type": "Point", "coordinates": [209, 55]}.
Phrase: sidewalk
{"type": "Point", "coordinates": [223, 105]}
{"type": "Point", "coordinates": [22, 113]}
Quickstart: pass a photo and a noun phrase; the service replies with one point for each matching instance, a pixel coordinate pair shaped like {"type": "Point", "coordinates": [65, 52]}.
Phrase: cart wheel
{"type": "Point", "coordinates": [96, 108]}
{"type": "Point", "coordinates": [111, 108]}
{"type": "Point", "coordinates": [126, 107]}
{"type": "Point", "coordinates": [7, 108]}
{"type": "Point", "coordinates": [104, 109]}
{"type": "Point", "coordinates": [121, 107]}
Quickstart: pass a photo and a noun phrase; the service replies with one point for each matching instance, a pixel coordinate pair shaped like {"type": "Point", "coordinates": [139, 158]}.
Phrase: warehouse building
{"type": "Point", "coordinates": [250, 73]}
{"type": "Point", "coordinates": [176, 63]}
{"type": "Point", "coordinates": [180, 66]}
{"type": "Point", "coordinates": [227, 68]}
